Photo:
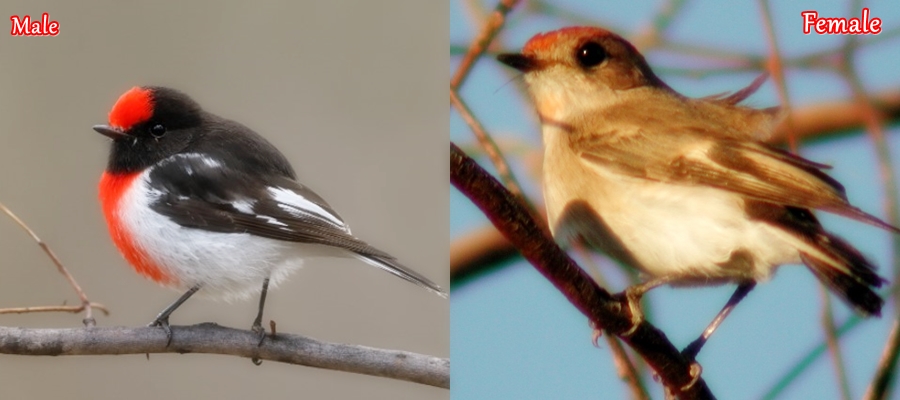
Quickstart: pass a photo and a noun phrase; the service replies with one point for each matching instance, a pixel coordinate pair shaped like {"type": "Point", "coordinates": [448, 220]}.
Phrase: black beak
{"type": "Point", "coordinates": [108, 131]}
{"type": "Point", "coordinates": [520, 62]}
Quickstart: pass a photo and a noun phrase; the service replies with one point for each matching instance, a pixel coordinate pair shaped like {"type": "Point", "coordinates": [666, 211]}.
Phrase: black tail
{"type": "Point", "coordinates": [854, 277]}
{"type": "Point", "coordinates": [390, 264]}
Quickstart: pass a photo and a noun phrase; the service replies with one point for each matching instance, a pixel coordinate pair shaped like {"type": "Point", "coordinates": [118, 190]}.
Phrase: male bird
{"type": "Point", "coordinates": [681, 189]}
{"type": "Point", "coordinates": [193, 200]}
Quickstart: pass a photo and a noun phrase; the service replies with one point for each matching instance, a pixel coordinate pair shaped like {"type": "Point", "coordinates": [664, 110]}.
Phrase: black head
{"type": "Point", "coordinates": [148, 124]}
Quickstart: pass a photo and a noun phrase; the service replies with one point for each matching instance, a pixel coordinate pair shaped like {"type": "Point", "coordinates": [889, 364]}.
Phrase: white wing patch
{"type": "Point", "coordinates": [244, 206]}
{"type": "Point", "coordinates": [210, 162]}
{"type": "Point", "coordinates": [273, 221]}
{"type": "Point", "coordinates": [297, 205]}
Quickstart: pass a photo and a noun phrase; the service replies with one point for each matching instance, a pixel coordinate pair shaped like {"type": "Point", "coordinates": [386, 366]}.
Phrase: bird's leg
{"type": "Point", "coordinates": [162, 320]}
{"type": "Point", "coordinates": [633, 295]}
{"type": "Point", "coordinates": [693, 349]}
{"type": "Point", "coordinates": [596, 333]}
{"type": "Point", "coordinates": [257, 323]}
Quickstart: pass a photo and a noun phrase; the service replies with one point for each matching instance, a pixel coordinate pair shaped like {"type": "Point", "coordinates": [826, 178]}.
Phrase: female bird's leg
{"type": "Point", "coordinates": [162, 320]}
{"type": "Point", "coordinates": [633, 295]}
{"type": "Point", "coordinates": [693, 349]}
{"type": "Point", "coordinates": [257, 323]}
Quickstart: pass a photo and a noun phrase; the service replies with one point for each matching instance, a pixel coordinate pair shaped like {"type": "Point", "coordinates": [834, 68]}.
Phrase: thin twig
{"type": "Point", "coordinates": [86, 304]}
{"type": "Point", "coordinates": [731, 57]}
{"type": "Point", "coordinates": [215, 339]}
{"type": "Point", "coordinates": [553, 9]}
{"type": "Point", "coordinates": [477, 251]}
{"type": "Point", "coordinates": [476, 12]}
{"type": "Point", "coordinates": [887, 366]}
{"type": "Point", "coordinates": [626, 368]}
{"type": "Point", "coordinates": [650, 36]}
{"type": "Point", "coordinates": [803, 364]}
{"type": "Point", "coordinates": [490, 29]}
{"type": "Point", "coordinates": [776, 69]}
{"type": "Point", "coordinates": [829, 119]}
{"type": "Point", "coordinates": [37, 309]}
{"type": "Point", "coordinates": [831, 340]}
{"type": "Point", "coordinates": [706, 72]}
{"type": "Point", "coordinates": [489, 146]}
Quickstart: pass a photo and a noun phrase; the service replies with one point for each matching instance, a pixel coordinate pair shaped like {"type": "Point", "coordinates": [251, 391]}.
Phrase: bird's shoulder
{"type": "Point", "coordinates": [240, 148]}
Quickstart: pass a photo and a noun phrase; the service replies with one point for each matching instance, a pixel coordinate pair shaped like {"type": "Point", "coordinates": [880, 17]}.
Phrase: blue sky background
{"type": "Point", "coordinates": [513, 336]}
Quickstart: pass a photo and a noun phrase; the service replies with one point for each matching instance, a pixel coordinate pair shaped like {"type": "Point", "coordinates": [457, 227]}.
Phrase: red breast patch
{"type": "Point", "coordinates": [112, 189]}
{"type": "Point", "coordinates": [132, 108]}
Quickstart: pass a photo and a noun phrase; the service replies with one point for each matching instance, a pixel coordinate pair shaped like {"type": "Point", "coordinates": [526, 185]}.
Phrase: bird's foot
{"type": "Point", "coordinates": [163, 322]}
{"type": "Point", "coordinates": [596, 333]}
{"type": "Point", "coordinates": [260, 332]}
{"type": "Point", "coordinates": [632, 297]}
{"type": "Point", "coordinates": [696, 370]}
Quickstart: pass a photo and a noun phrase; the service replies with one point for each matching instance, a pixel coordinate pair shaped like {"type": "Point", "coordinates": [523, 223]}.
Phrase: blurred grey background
{"type": "Point", "coordinates": [353, 92]}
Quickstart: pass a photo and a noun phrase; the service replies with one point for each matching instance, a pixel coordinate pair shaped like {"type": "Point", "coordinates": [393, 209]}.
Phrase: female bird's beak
{"type": "Point", "coordinates": [520, 62]}
{"type": "Point", "coordinates": [110, 132]}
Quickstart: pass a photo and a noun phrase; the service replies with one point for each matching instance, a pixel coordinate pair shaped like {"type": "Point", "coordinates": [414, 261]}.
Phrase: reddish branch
{"type": "Point", "coordinates": [490, 29]}
{"type": "Point", "coordinates": [513, 219]}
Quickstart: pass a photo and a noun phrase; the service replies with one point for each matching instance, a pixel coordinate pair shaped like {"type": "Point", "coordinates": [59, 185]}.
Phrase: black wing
{"type": "Point", "coordinates": [201, 192]}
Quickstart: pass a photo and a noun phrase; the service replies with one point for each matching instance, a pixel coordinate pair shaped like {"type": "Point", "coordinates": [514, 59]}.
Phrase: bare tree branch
{"type": "Point", "coordinates": [626, 369]}
{"type": "Point", "coordinates": [490, 29]}
{"type": "Point", "coordinates": [829, 328]}
{"type": "Point", "coordinates": [214, 339]}
{"type": "Point", "coordinates": [86, 305]}
{"type": "Point", "coordinates": [887, 367]}
{"type": "Point", "coordinates": [479, 250]}
{"type": "Point", "coordinates": [487, 143]}
{"type": "Point", "coordinates": [63, 308]}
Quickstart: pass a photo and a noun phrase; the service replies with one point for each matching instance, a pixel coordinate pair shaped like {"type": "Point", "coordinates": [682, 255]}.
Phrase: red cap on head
{"type": "Point", "coordinates": [544, 41]}
{"type": "Point", "coordinates": [133, 107]}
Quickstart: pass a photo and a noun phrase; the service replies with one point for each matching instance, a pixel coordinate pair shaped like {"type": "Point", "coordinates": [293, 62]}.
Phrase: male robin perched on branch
{"type": "Point", "coordinates": [195, 201]}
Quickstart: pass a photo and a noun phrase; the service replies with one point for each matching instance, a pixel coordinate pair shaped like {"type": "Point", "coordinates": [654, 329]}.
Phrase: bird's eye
{"type": "Point", "coordinates": [158, 131]}
{"type": "Point", "coordinates": [590, 54]}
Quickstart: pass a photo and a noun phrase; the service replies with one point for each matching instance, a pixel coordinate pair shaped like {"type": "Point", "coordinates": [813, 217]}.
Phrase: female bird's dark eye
{"type": "Point", "coordinates": [590, 54]}
{"type": "Point", "coordinates": [157, 130]}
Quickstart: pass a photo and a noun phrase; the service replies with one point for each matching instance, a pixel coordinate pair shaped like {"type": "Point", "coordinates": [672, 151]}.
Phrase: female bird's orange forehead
{"type": "Point", "coordinates": [545, 41]}
{"type": "Point", "coordinates": [132, 108]}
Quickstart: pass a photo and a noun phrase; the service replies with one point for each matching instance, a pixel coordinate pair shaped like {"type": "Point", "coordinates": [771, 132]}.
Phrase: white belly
{"type": "Point", "coordinates": [694, 230]}
{"type": "Point", "coordinates": [226, 265]}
